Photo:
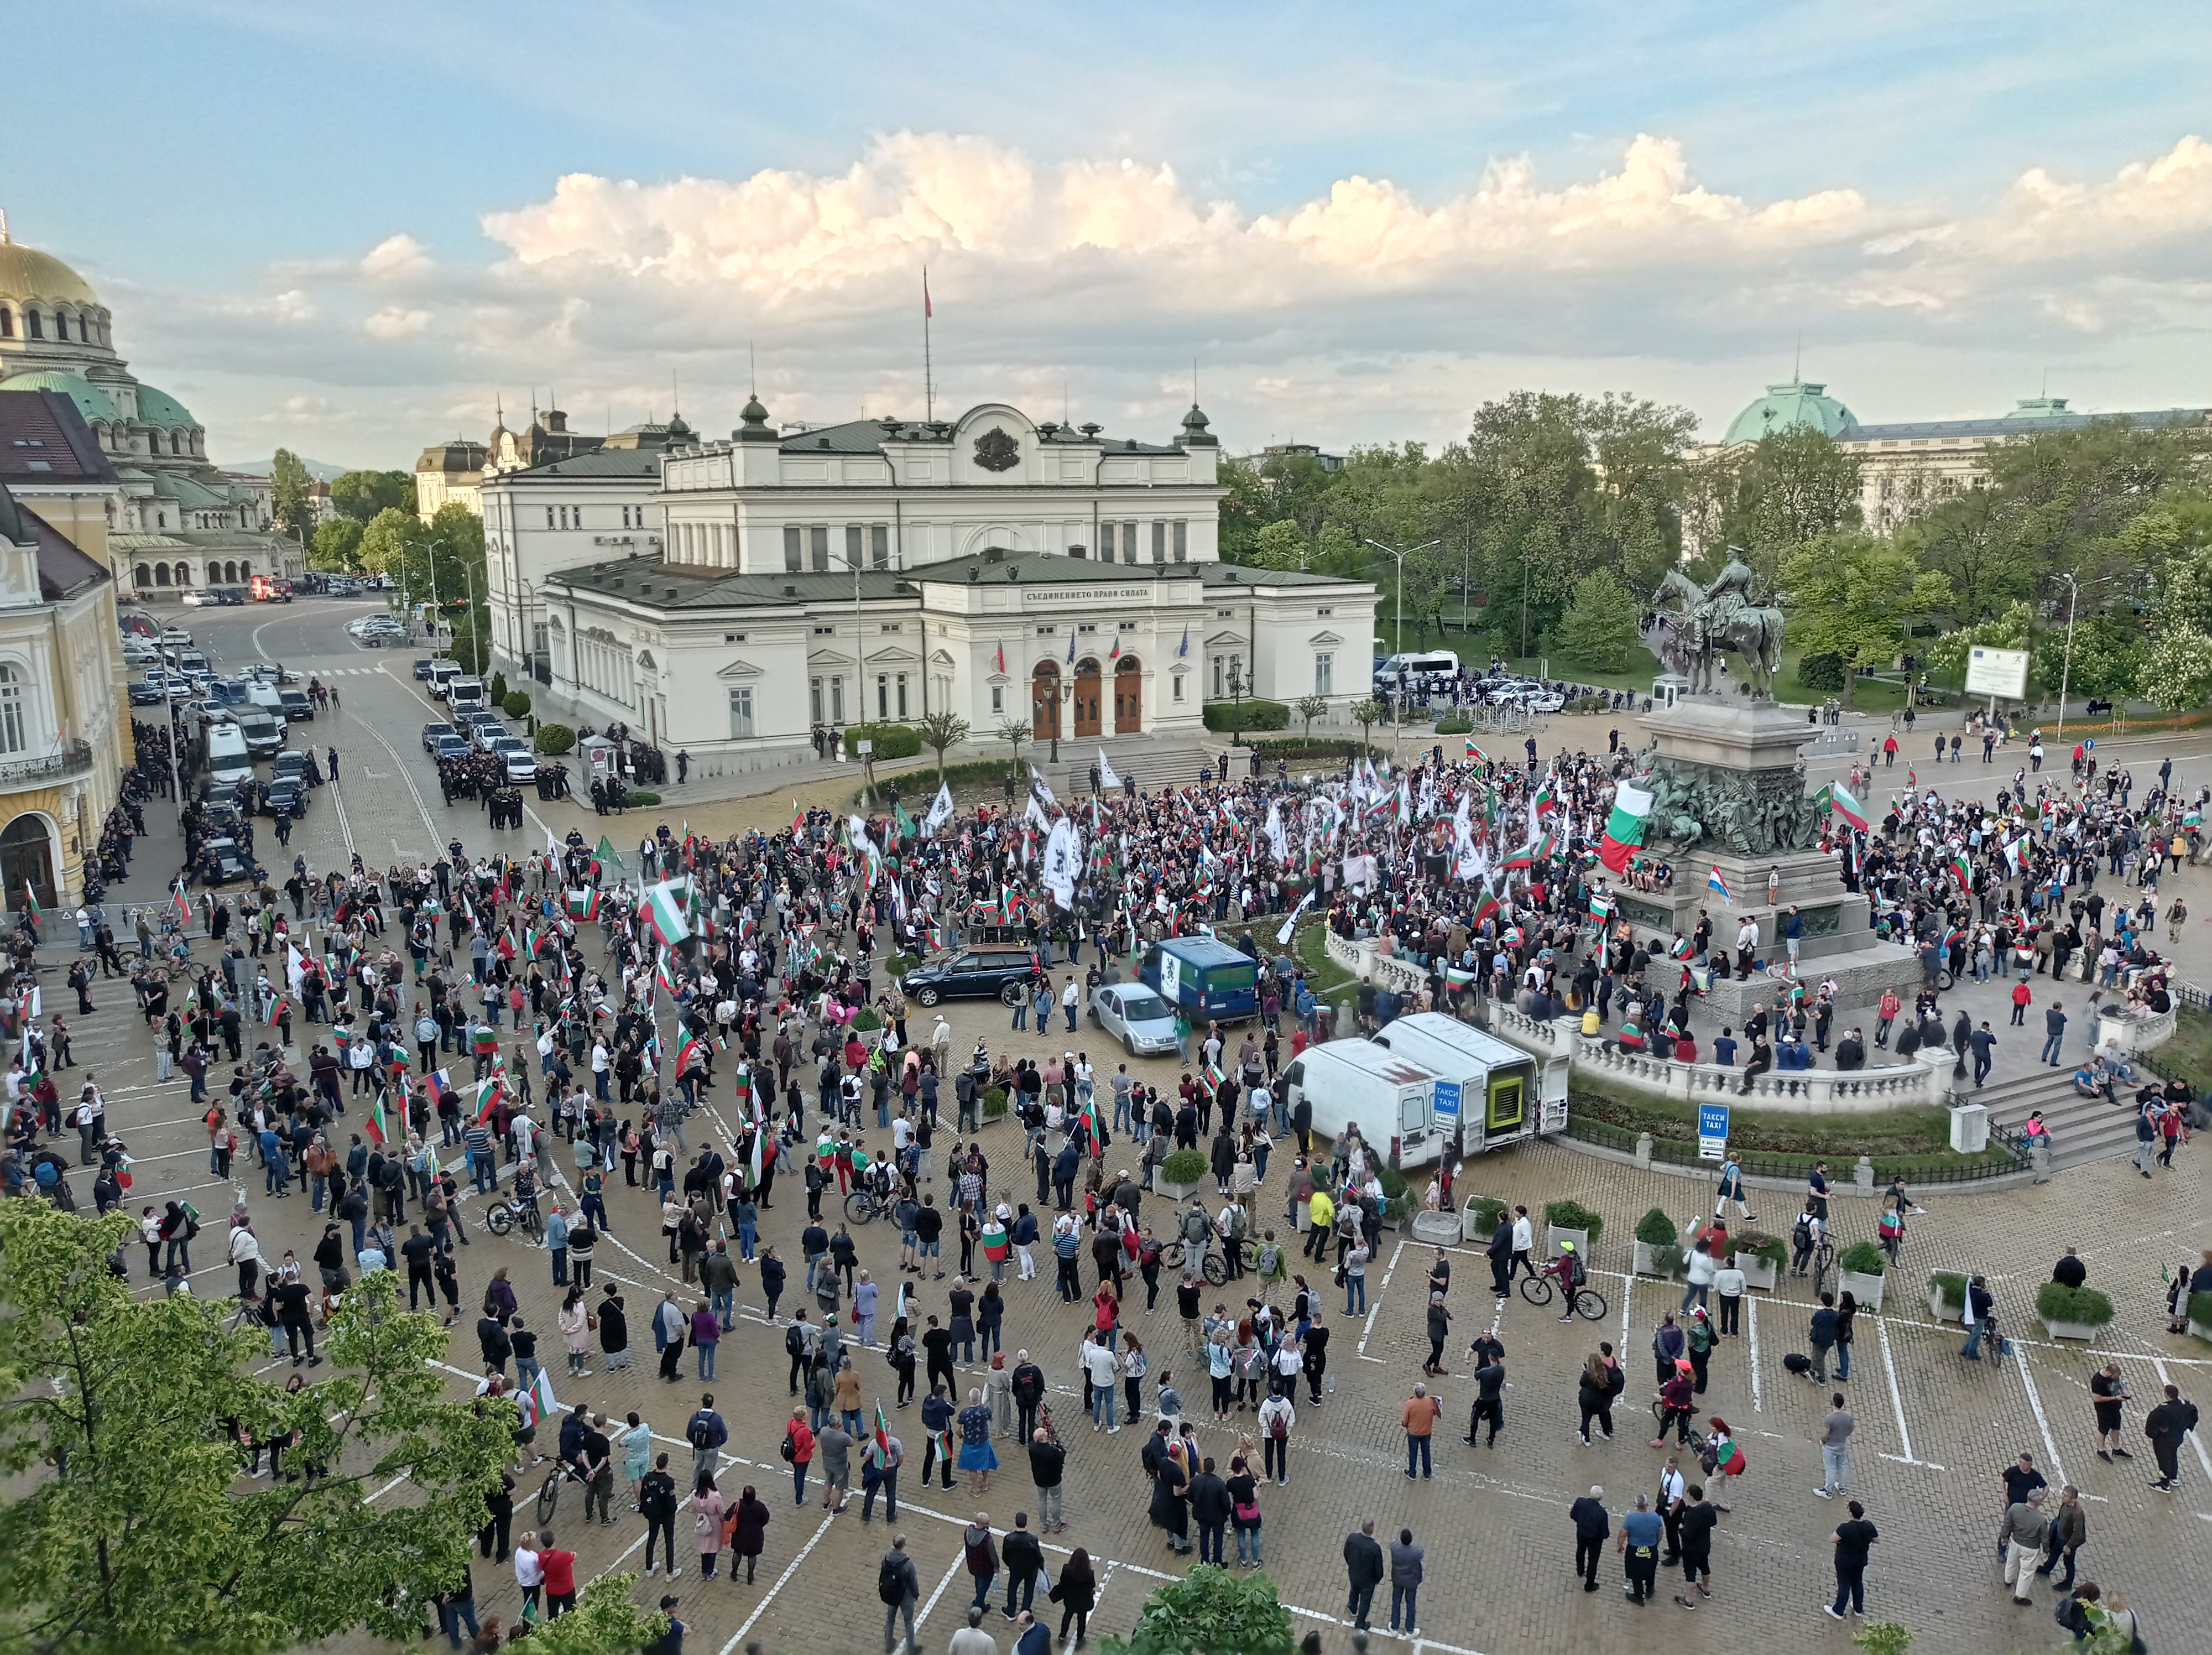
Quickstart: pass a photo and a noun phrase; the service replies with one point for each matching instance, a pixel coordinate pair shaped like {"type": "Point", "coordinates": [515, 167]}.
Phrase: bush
{"type": "Point", "coordinates": [514, 704]}
{"type": "Point", "coordinates": [994, 1104]}
{"type": "Point", "coordinates": [1863, 1258]}
{"type": "Point", "coordinates": [1573, 1215]}
{"type": "Point", "coordinates": [640, 799]}
{"type": "Point", "coordinates": [1222, 715]}
{"type": "Point", "coordinates": [892, 741]}
{"type": "Point", "coordinates": [1757, 1244]}
{"type": "Point", "coordinates": [2200, 1309]}
{"type": "Point", "coordinates": [1487, 1210]}
{"type": "Point", "coordinates": [1824, 671]}
{"type": "Point", "coordinates": [1455, 724]}
{"type": "Point", "coordinates": [555, 739]}
{"type": "Point", "coordinates": [1392, 1182]}
{"type": "Point", "coordinates": [866, 1020]}
{"type": "Point", "coordinates": [1185, 1166]}
{"type": "Point", "coordinates": [899, 965]}
{"type": "Point", "coordinates": [2056, 1302]}
{"type": "Point", "coordinates": [498, 687]}
{"type": "Point", "coordinates": [1950, 1288]}
{"type": "Point", "coordinates": [1656, 1229]}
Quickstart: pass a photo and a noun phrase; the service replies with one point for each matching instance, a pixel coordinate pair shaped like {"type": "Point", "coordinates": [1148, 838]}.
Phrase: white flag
{"type": "Point", "coordinates": [940, 809]}
{"type": "Point", "coordinates": [1038, 790]}
{"type": "Point", "coordinates": [1277, 841]}
{"type": "Point", "coordinates": [1063, 862]}
{"type": "Point", "coordinates": [1283, 936]}
{"type": "Point", "coordinates": [1106, 776]}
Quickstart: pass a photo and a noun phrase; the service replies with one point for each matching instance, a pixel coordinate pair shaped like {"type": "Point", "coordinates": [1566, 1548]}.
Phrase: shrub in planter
{"type": "Point", "coordinates": [2085, 1307]}
{"type": "Point", "coordinates": [1394, 1183]}
{"type": "Point", "coordinates": [1949, 1288]}
{"type": "Point", "coordinates": [555, 739]}
{"type": "Point", "coordinates": [1573, 1215]}
{"type": "Point", "coordinates": [1863, 1258]}
{"type": "Point", "coordinates": [1656, 1229]}
{"type": "Point", "coordinates": [1757, 1244]}
{"type": "Point", "coordinates": [1455, 724]}
{"type": "Point", "coordinates": [1485, 1211]}
{"type": "Point", "coordinates": [1223, 716]}
{"type": "Point", "coordinates": [900, 964]}
{"type": "Point", "coordinates": [1185, 1166]}
{"type": "Point", "coordinates": [994, 1104]}
{"type": "Point", "coordinates": [866, 1020]}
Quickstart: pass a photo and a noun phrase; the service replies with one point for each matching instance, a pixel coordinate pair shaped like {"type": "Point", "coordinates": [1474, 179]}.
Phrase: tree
{"type": "Point", "coordinates": [2106, 657]}
{"type": "Point", "coordinates": [2014, 629]}
{"type": "Point", "coordinates": [382, 548]}
{"type": "Point", "coordinates": [1013, 732]}
{"type": "Point", "coordinates": [2176, 674]}
{"type": "Point", "coordinates": [335, 548]}
{"type": "Point", "coordinates": [1598, 627]}
{"type": "Point", "coordinates": [1310, 708]}
{"type": "Point", "coordinates": [940, 730]}
{"type": "Point", "coordinates": [1211, 1612]}
{"type": "Point", "coordinates": [1857, 597]}
{"type": "Point", "coordinates": [290, 483]}
{"type": "Point", "coordinates": [361, 495]}
{"type": "Point", "coordinates": [1366, 712]}
{"type": "Point", "coordinates": [140, 1539]}
{"type": "Point", "coordinates": [1280, 544]}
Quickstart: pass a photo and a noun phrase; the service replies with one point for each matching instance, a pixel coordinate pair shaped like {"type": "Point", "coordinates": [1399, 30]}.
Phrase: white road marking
{"type": "Point", "coordinates": [1375, 1308]}
{"type": "Point", "coordinates": [782, 1580]}
{"type": "Point", "coordinates": [1897, 1403]}
{"type": "Point", "coordinates": [1751, 1310]}
{"type": "Point", "coordinates": [957, 1562]}
{"type": "Point", "coordinates": [2035, 1405]}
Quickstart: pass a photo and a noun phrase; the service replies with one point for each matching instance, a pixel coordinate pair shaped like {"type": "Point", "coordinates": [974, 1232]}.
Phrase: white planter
{"type": "Point", "coordinates": [2201, 1330]}
{"type": "Point", "coordinates": [1758, 1272]}
{"type": "Point", "coordinates": [2068, 1329]}
{"type": "Point", "coordinates": [1435, 1229]}
{"type": "Point", "coordinates": [1553, 1236]}
{"type": "Point", "coordinates": [1657, 1261]}
{"type": "Point", "coordinates": [1473, 1229]}
{"type": "Point", "coordinates": [1866, 1289]}
{"type": "Point", "coordinates": [1170, 1190]}
{"type": "Point", "coordinates": [1942, 1312]}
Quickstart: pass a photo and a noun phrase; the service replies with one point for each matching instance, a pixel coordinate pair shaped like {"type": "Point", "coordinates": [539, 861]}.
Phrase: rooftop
{"type": "Point", "coordinates": [43, 438]}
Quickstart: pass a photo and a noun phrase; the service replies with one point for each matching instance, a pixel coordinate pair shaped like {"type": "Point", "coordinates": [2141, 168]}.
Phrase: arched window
{"type": "Point", "coordinates": [230, 572]}
{"type": "Point", "coordinates": [11, 710]}
{"type": "Point", "coordinates": [183, 574]}
{"type": "Point", "coordinates": [175, 447]}
{"type": "Point", "coordinates": [160, 574]}
{"type": "Point", "coordinates": [30, 327]}
{"type": "Point", "coordinates": [245, 568]}
{"type": "Point", "coordinates": [7, 323]}
{"type": "Point", "coordinates": [144, 575]}
{"type": "Point", "coordinates": [61, 325]}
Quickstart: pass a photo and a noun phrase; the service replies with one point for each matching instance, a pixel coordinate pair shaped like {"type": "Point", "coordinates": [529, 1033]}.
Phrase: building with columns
{"type": "Point", "coordinates": [879, 569]}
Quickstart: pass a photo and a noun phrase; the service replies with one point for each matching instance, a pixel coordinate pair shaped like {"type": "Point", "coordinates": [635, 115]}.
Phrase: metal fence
{"type": "Point", "coordinates": [1914, 1169]}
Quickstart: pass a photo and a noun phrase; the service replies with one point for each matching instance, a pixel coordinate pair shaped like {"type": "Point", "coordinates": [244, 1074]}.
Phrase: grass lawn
{"type": "Point", "coordinates": [1324, 974]}
{"type": "Point", "coordinates": [1913, 1142]}
{"type": "Point", "coordinates": [2188, 1055]}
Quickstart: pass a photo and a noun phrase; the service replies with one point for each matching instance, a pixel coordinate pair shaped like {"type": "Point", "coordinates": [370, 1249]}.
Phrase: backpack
{"type": "Point", "coordinates": [699, 1435]}
{"type": "Point", "coordinates": [793, 1342]}
{"type": "Point", "coordinates": [1278, 1427]}
{"type": "Point", "coordinates": [788, 1449]}
{"type": "Point", "coordinates": [890, 1581]}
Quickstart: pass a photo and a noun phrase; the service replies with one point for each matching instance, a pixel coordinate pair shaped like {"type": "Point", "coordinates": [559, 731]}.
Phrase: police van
{"type": "Point", "coordinates": [1490, 1092]}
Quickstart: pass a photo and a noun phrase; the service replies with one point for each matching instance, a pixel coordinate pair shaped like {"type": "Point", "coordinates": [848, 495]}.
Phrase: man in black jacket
{"type": "Point", "coordinates": [2166, 1425]}
{"type": "Point", "coordinates": [899, 1588]}
{"type": "Point", "coordinates": [1021, 1557]}
{"type": "Point", "coordinates": [1029, 1391]}
{"type": "Point", "coordinates": [1593, 1525]}
{"type": "Point", "coordinates": [493, 1342]}
{"type": "Point", "coordinates": [1210, 1505]}
{"type": "Point", "coordinates": [1047, 1465]}
{"type": "Point", "coordinates": [656, 1502]}
{"type": "Point", "coordinates": [1363, 1567]}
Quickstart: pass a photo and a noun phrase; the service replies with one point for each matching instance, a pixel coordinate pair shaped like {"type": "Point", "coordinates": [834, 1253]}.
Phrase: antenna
{"type": "Point", "coordinates": [1797, 361]}
{"type": "Point", "coordinates": [3, 226]}
{"type": "Point", "coordinates": [1193, 381]}
{"type": "Point", "coordinates": [675, 398]}
{"type": "Point", "coordinates": [753, 373]}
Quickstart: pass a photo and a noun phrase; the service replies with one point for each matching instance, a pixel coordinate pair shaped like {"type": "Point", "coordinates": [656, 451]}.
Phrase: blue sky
{"type": "Point", "coordinates": [345, 228]}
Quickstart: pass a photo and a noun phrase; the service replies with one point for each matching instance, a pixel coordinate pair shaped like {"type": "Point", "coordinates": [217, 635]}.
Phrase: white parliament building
{"type": "Point", "coordinates": [729, 598]}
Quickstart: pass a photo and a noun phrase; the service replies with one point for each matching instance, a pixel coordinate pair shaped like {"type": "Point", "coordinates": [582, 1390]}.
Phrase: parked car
{"type": "Point", "coordinates": [1001, 973]}
{"type": "Point", "coordinates": [297, 707]}
{"type": "Point", "coordinates": [199, 599]}
{"type": "Point", "coordinates": [450, 747]}
{"type": "Point", "coordinates": [422, 668]}
{"type": "Point", "coordinates": [147, 695]}
{"type": "Point", "coordinates": [1135, 1016]}
{"type": "Point", "coordinates": [286, 796]}
{"type": "Point", "coordinates": [435, 732]}
{"type": "Point", "coordinates": [221, 862]}
{"type": "Point", "coordinates": [521, 766]}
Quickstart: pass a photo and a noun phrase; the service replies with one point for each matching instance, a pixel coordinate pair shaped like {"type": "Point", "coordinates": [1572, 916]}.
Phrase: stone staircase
{"type": "Point", "coordinates": [1151, 764]}
{"type": "Point", "coordinates": [2083, 1129]}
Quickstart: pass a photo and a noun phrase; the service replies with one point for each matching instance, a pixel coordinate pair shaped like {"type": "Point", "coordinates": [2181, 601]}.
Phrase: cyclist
{"type": "Point", "coordinates": [1568, 1269]}
{"type": "Point", "coordinates": [1197, 1235]}
{"type": "Point", "coordinates": [524, 1201]}
{"type": "Point", "coordinates": [1811, 1229]}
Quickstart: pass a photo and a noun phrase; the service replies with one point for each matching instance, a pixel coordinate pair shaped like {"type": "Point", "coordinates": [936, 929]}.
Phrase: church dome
{"type": "Point", "coordinates": [94, 404]}
{"type": "Point", "coordinates": [159, 408]}
{"type": "Point", "coordinates": [28, 275]}
{"type": "Point", "coordinates": [1791, 404]}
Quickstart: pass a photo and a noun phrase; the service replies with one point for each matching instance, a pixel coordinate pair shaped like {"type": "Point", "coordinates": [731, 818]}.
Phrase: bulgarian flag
{"type": "Point", "coordinates": [741, 1094]}
{"type": "Point", "coordinates": [584, 905]}
{"type": "Point", "coordinates": [1600, 906]}
{"type": "Point", "coordinates": [1459, 976]}
{"type": "Point", "coordinates": [904, 1309]}
{"type": "Point", "coordinates": [1623, 830]}
{"type": "Point", "coordinates": [757, 1159]}
{"type": "Point", "coordinates": [1840, 800]}
{"type": "Point", "coordinates": [658, 911]}
{"type": "Point", "coordinates": [485, 1040]}
{"type": "Point", "coordinates": [1961, 869]}
{"type": "Point", "coordinates": [1547, 801]}
{"type": "Point", "coordinates": [1484, 910]}
{"type": "Point", "coordinates": [376, 1125]}
{"type": "Point", "coordinates": [31, 902]}
{"type": "Point", "coordinates": [276, 1010]}
{"type": "Point", "coordinates": [1476, 753]}
{"type": "Point", "coordinates": [487, 1099]}
{"type": "Point", "coordinates": [183, 903]}
{"type": "Point", "coordinates": [882, 1432]}
{"type": "Point", "coordinates": [690, 1053]}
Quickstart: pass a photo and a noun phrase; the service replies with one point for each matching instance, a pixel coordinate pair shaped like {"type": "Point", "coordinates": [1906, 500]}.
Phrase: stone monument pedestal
{"type": "Point", "coordinates": [1726, 767]}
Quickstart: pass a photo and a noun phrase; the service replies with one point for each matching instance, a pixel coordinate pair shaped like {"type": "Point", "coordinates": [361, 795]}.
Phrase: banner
{"type": "Point", "coordinates": [1063, 863]}
{"type": "Point", "coordinates": [1106, 776]}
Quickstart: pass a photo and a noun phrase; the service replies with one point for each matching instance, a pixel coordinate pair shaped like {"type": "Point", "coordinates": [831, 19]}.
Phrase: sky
{"type": "Point", "coordinates": [355, 230]}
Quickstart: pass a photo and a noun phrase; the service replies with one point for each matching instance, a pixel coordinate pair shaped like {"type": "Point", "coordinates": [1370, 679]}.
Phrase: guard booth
{"type": "Point", "coordinates": [601, 760]}
{"type": "Point", "coordinates": [1666, 690]}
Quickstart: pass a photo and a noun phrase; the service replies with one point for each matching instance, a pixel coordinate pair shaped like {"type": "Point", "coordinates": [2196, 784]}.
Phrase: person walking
{"type": "Point", "coordinates": [657, 1504]}
{"type": "Point", "coordinates": [2069, 1530]}
{"type": "Point", "coordinates": [1835, 1436]}
{"type": "Point", "coordinates": [1405, 1579]}
{"type": "Point", "coordinates": [1419, 1416]}
{"type": "Point", "coordinates": [2166, 1425]}
{"type": "Point", "coordinates": [1363, 1568]}
{"type": "Point", "coordinates": [899, 1589]}
{"type": "Point", "coordinates": [1851, 1540]}
{"type": "Point", "coordinates": [1277, 1420]}
{"type": "Point", "coordinates": [2108, 1393]}
{"type": "Point", "coordinates": [981, 1554]}
{"type": "Point", "coordinates": [2022, 1535]}
{"type": "Point", "coordinates": [706, 1508]}
{"type": "Point", "coordinates": [1593, 1526]}
{"type": "Point", "coordinates": [1693, 1533]}
{"type": "Point", "coordinates": [1077, 1594]}
{"type": "Point", "coordinates": [1641, 1531]}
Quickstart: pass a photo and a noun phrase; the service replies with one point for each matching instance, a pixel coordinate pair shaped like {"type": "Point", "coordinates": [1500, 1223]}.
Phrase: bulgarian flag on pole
{"type": "Point", "coordinates": [377, 1125]}
{"type": "Point", "coordinates": [1840, 802]}
{"type": "Point", "coordinates": [882, 1432]}
{"type": "Point", "coordinates": [687, 1055]}
{"type": "Point", "coordinates": [31, 902]}
{"type": "Point", "coordinates": [183, 903]}
{"type": "Point", "coordinates": [487, 1099]}
{"type": "Point", "coordinates": [1601, 907]}
{"type": "Point", "coordinates": [584, 905]}
{"type": "Point", "coordinates": [1623, 830]}
{"type": "Point", "coordinates": [1961, 869]}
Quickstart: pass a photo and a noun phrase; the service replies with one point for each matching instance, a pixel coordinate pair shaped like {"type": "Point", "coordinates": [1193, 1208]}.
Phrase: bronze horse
{"type": "Point", "coordinates": [1695, 627]}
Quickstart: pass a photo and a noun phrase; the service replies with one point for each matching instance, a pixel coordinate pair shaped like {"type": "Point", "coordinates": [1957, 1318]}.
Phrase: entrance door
{"type": "Point", "coordinates": [1086, 697]}
{"type": "Point", "coordinates": [1129, 696]}
{"type": "Point", "coordinates": [1044, 702]}
{"type": "Point", "coordinates": [27, 862]}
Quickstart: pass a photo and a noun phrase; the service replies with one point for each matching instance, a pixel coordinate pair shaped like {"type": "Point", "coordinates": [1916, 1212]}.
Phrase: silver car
{"type": "Point", "coordinates": [1134, 1015]}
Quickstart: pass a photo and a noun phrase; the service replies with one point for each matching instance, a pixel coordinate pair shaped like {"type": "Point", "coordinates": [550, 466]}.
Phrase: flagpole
{"type": "Point", "coordinates": [928, 381]}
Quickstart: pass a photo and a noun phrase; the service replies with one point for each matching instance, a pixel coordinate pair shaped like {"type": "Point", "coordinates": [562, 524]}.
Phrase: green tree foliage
{"type": "Point", "coordinates": [289, 484]}
{"type": "Point", "coordinates": [1790, 488]}
{"type": "Point", "coordinates": [335, 549]}
{"type": "Point", "coordinates": [361, 495]}
{"type": "Point", "coordinates": [130, 1528]}
{"type": "Point", "coordinates": [2013, 629]}
{"type": "Point", "coordinates": [1280, 544]}
{"type": "Point", "coordinates": [2176, 673]}
{"type": "Point", "coordinates": [1857, 597]}
{"type": "Point", "coordinates": [1212, 1612]}
{"type": "Point", "coordinates": [1367, 712]}
{"type": "Point", "coordinates": [940, 730]}
{"type": "Point", "coordinates": [2107, 655]}
{"type": "Point", "coordinates": [1014, 732]}
{"type": "Point", "coordinates": [1598, 627]}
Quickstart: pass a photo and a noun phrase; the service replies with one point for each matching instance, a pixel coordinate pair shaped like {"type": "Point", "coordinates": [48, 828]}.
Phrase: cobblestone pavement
{"type": "Point", "coordinates": [1933, 1430]}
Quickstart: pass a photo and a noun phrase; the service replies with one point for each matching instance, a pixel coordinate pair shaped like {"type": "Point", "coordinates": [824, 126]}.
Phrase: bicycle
{"type": "Point", "coordinates": [1995, 1346]}
{"type": "Point", "coordinates": [1588, 1302]}
{"type": "Point", "coordinates": [862, 1206]}
{"type": "Point", "coordinates": [1214, 1268]}
{"type": "Point", "coordinates": [504, 1214]}
{"type": "Point", "coordinates": [548, 1496]}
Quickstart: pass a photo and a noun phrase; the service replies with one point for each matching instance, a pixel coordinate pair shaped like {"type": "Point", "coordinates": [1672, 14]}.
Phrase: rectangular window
{"type": "Point", "coordinates": [998, 698]}
{"type": "Point", "coordinates": [1105, 543]}
{"type": "Point", "coordinates": [1178, 686]}
{"type": "Point", "coordinates": [1182, 543]}
{"type": "Point", "coordinates": [818, 544]}
{"type": "Point", "coordinates": [883, 695]}
{"type": "Point", "coordinates": [1217, 691]}
{"type": "Point", "coordinates": [853, 545]}
{"type": "Point", "coordinates": [733, 637]}
{"type": "Point", "coordinates": [1324, 674]}
{"type": "Point", "coordinates": [1077, 551]}
{"type": "Point", "coordinates": [1129, 543]}
{"type": "Point", "coordinates": [1160, 541]}
{"type": "Point", "coordinates": [902, 695]}
{"type": "Point", "coordinates": [549, 517]}
{"type": "Point", "coordinates": [791, 559]}
{"type": "Point", "coordinates": [879, 545]}
{"type": "Point", "coordinates": [836, 701]}
{"type": "Point", "coordinates": [741, 713]}
{"type": "Point", "coordinates": [814, 700]}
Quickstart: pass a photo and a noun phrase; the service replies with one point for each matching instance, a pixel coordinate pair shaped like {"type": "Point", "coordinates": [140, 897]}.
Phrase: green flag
{"type": "Point", "coordinates": [609, 857]}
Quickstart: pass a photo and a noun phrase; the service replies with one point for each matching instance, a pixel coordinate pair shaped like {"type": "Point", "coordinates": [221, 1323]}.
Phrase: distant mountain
{"type": "Point", "coordinates": [321, 470]}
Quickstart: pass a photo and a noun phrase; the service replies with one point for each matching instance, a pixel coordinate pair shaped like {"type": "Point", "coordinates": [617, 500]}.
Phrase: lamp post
{"type": "Point", "coordinates": [2066, 660]}
{"type": "Point", "coordinates": [1235, 703]}
{"type": "Point", "coordinates": [1398, 625]}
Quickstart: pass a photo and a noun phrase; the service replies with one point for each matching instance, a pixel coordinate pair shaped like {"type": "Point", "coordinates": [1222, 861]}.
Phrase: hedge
{"type": "Point", "coordinates": [2056, 1302]}
{"type": "Point", "coordinates": [892, 741]}
{"type": "Point", "coordinates": [554, 738]}
{"type": "Point", "coordinates": [994, 1104]}
{"type": "Point", "coordinates": [1950, 1288]}
{"type": "Point", "coordinates": [1455, 724]}
{"type": "Point", "coordinates": [1223, 715]}
{"type": "Point", "coordinates": [2200, 1309]}
{"type": "Point", "coordinates": [1822, 671]}
{"type": "Point", "coordinates": [631, 800]}
{"type": "Point", "coordinates": [1863, 1258]}
{"type": "Point", "coordinates": [1185, 1166]}
{"type": "Point", "coordinates": [866, 1020]}
{"type": "Point", "coordinates": [1573, 1215]}
{"type": "Point", "coordinates": [1757, 1244]}
{"type": "Point", "coordinates": [1656, 1229]}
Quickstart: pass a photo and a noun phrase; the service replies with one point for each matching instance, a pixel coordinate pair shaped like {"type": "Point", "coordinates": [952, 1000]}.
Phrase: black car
{"type": "Point", "coordinates": [230, 597]}
{"type": "Point", "coordinates": [222, 861]}
{"type": "Point", "coordinates": [296, 705]}
{"type": "Point", "coordinates": [434, 731]}
{"type": "Point", "coordinates": [988, 973]}
{"type": "Point", "coordinates": [285, 796]}
{"type": "Point", "coordinates": [422, 668]}
{"type": "Point", "coordinates": [146, 695]}
{"type": "Point", "coordinates": [222, 817]}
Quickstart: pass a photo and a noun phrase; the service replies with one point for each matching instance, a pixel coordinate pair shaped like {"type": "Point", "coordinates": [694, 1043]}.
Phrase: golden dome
{"type": "Point", "coordinates": [26, 274]}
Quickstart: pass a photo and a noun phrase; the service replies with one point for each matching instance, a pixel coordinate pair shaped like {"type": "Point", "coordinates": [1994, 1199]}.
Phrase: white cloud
{"type": "Point", "coordinates": [394, 323]}
{"type": "Point", "coordinates": [395, 256]}
{"type": "Point", "coordinates": [295, 306]}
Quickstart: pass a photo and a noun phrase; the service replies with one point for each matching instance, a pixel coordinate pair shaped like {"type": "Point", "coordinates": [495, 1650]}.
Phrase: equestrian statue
{"type": "Point", "coordinates": [1696, 626]}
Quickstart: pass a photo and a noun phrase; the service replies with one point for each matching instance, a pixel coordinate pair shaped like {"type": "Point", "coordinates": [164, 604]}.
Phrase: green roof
{"type": "Point", "coordinates": [91, 401]}
{"type": "Point", "coordinates": [159, 408]}
{"type": "Point", "coordinates": [1790, 403]}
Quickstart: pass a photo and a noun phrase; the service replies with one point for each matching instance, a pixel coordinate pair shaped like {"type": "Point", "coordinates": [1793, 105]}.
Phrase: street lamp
{"type": "Point", "coordinates": [1236, 687]}
{"type": "Point", "coordinates": [2066, 661]}
{"type": "Point", "coordinates": [1398, 626]}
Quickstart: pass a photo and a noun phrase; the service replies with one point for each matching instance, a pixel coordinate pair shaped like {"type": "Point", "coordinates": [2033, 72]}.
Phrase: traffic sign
{"type": "Point", "coordinates": [1712, 1131]}
{"type": "Point", "coordinates": [1448, 1099]}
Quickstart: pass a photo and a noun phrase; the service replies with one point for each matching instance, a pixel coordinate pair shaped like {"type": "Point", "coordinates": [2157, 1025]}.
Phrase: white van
{"type": "Point", "coordinates": [228, 758]}
{"type": "Point", "coordinates": [466, 695]}
{"type": "Point", "coordinates": [1496, 1093]}
{"type": "Point", "coordinates": [442, 674]}
{"type": "Point", "coordinates": [1392, 1100]}
{"type": "Point", "coordinates": [1417, 670]}
{"type": "Point", "coordinates": [265, 697]}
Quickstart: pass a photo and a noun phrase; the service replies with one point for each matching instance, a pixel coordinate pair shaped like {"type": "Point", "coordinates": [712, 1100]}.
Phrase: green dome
{"type": "Point", "coordinates": [94, 404]}
{"type": "Point", "coordinates": [1795, 403]}
{"type": "Point", "coordinates": [159, 408]}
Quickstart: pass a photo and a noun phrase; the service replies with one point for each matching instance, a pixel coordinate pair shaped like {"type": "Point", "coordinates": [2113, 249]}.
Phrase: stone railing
{"type": "Point", "coordinates": [1361, 959]}
{"type": "Point", "coordinates": [1557, 1037]}
{"type": "Point", "coordinates": [1804, 1092]}
{"type": "Point", "coordinates": [2137, 1034]}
